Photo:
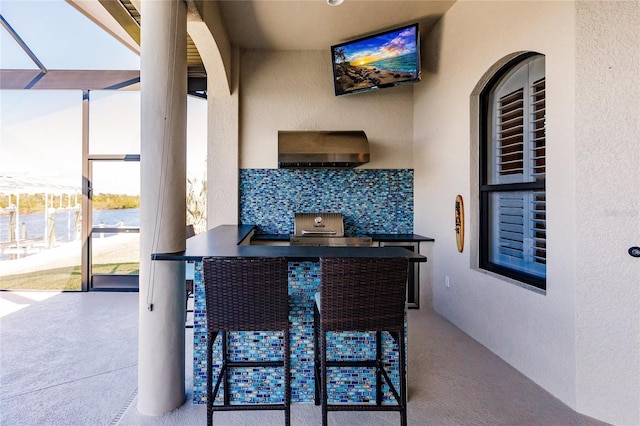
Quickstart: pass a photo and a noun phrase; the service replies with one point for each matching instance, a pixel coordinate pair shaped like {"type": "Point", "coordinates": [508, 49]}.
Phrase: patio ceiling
{"type": "Point", "coordinates": [283, 24]}
{"type": "Point", "coordinates": [127, 15]}
{"type": "Point", "coordinates": [250, 24]}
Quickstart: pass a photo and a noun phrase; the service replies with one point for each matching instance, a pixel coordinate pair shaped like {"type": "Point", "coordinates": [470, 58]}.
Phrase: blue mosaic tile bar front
{"type": "Point", "coordinates": [265, 386]}
{"type": "Point", "coordinates": [372, 201]}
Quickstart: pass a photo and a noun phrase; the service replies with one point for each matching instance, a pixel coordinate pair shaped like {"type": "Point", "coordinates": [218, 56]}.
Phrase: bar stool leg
{"type": "Point", "coordinates": [210, 341]}
{"type": "Point", "coordinates": [316, 357]}
{"type": "Point", "coordinates": [323, 367]}
{"type": "Point", "coordinates": [403, 378]}
{"type": "Point", "coordinates": [287, 379]}
{"type": "Point", "coordinates": [379, 367]}
{"type": "Point", "coordinates": [225, 370]}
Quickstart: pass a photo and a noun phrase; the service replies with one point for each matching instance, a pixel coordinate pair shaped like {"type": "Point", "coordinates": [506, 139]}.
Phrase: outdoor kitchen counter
{"type": "Point", "coordinates": [304, 282]}
{"type": "Point", "coordinates": [412, 238]}
{"type": "Point", "coordinates": [225, 240]}
{"type": "Point", "coordinates": [390, 238]}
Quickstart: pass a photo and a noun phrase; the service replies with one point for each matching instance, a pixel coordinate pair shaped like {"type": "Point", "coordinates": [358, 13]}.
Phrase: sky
{"type": "Point", "coordinates": [41, 131]}
{"type": "Point", "coordinates": [384, 46]}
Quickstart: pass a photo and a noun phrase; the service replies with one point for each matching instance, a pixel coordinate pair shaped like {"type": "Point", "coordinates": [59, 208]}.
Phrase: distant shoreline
{"type": "Point", "coordinates": [35, 203]}
{"type": "Point", "coordinates": [6, 211]}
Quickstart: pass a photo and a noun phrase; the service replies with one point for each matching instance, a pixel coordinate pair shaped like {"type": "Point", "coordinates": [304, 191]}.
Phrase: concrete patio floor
{"type": "Point", "coordinates": [71, 359]}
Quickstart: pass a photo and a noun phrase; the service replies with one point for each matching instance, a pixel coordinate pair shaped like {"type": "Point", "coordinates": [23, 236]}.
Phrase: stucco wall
{"type": "Point", "coordinates": [293, 90]}
{"type": "Point", "coordinates": [534, 332]}
{"type": "Point", "coordinates": [222, 152]}
{"type": "Point", "coordinates": [579, 339]}
{"type": "Point", "coordinates": [608, 215]}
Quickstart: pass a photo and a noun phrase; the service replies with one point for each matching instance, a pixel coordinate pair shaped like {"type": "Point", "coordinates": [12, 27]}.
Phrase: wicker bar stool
{"type": "Point", "coordinates": [363, 295]}
{"type": "Point", "coordinates": [245, 294]}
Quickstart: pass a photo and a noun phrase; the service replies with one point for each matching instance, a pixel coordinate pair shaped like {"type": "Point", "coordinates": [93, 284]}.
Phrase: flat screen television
{"type": "Point", "coordinates": [380, 60]}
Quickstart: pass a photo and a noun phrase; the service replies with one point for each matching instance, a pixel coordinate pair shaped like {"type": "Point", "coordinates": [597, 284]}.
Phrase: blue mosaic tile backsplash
{"type": "Point", "coordinates": [372, 201]}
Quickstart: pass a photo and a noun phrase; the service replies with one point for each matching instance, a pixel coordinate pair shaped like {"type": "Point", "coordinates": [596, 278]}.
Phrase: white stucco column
{"type": "Point", "coordinates": [163, 75]}
{"type": "Point", "coordinates": [223, 152]}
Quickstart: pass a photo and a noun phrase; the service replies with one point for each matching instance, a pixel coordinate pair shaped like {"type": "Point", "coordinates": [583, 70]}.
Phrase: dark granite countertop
{"type": "Point", "coordinates": [375, 237]}
{"type": "Point", "coordinates": [224, 239]}
{"type": "Point", "coordinates": [271, 237]}
{"type": "Point", "coordinates": [399, 237]}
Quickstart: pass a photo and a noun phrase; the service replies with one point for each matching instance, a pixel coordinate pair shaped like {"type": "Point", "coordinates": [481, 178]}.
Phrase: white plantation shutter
{"type": "Point", "coordinates": [510, 137]}
{"type": "Point", "coordinates": [538, 166]}
{"type": "Point", "coordinates": [517, 218]}
{"type": "Point", "coordinates": [509, 228]}
{"type": "Point", "coordinates": [539, 228]}
{"type": "Point", "coordinates": [537, 128]}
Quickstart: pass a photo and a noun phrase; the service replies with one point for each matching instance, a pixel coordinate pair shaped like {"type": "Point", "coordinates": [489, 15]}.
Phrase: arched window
{"type": "Point", "coordinates": [512, 172]}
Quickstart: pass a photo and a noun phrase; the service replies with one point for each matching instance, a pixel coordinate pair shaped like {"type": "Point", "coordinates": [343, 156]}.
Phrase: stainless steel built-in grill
{"type": "Point", "coordinates": [323, 229]}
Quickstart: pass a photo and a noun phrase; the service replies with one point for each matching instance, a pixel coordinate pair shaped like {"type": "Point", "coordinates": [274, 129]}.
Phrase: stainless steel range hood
{"type": "Point", "coordinates": [322, 149]}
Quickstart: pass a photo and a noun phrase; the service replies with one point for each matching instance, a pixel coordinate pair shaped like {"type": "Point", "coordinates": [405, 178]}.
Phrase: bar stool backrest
{"type": "Point", "coordinates": [363, 294]}
{"type": "Point", "coordinates": [245, 294]}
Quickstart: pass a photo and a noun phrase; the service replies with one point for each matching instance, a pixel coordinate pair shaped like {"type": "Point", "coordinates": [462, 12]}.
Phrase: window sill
{"type": "Point", "coordinates": [510, 281]}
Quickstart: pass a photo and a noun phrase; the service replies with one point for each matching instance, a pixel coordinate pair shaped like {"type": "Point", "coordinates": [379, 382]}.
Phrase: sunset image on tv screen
{"type": "Point", "coordinates": [378, 61]}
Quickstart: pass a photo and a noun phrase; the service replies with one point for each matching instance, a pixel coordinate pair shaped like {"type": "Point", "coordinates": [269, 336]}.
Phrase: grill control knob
{"type": "Point", "coordinates": [634, 251]}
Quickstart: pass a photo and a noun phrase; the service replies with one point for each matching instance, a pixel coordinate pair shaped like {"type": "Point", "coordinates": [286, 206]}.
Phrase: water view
{"type": "Point", "coordinates": [64, 226]}
{"type": "Point", "coordinates": [49, 258]}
